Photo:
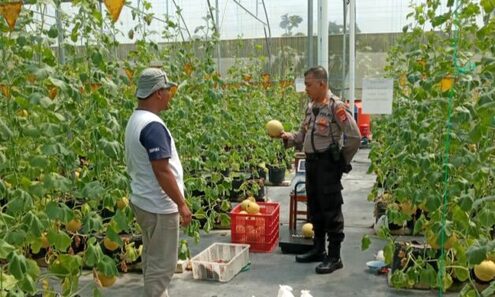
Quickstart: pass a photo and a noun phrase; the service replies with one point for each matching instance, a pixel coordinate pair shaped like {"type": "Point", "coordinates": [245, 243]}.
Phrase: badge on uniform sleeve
{"type": "Point", "coordinates": [342, 114]}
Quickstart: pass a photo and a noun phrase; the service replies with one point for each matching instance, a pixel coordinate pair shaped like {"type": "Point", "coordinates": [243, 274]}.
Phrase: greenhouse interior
{"type": "Point", "coordinates": [229, 141]}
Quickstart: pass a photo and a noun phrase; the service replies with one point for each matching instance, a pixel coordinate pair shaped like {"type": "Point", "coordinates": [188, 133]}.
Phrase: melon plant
{"type": "Point", "coordinates": [62, 170]}
{"type": "Point", "coordinates": [435, 154]}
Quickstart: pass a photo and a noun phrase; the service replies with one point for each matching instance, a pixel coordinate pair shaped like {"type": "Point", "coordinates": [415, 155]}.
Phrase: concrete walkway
{"type": "Point", "coordinates": [268, 270]}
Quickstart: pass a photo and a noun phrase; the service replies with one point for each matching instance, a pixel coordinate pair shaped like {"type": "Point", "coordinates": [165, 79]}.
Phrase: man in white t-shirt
{"type": "Point", "coordinates": [157, 184]}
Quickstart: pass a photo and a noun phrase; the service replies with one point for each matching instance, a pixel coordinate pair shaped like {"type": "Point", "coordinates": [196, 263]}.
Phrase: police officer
{"type": "Point", "coordinates": [330, 137]}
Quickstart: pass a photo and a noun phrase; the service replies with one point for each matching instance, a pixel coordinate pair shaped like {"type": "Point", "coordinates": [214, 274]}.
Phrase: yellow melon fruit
{"type": "Point", "coordinates": [387, 197]}
{"type": "Point", "coordinates": [307, 230]}
{"type": "Point", "coordinates": [407, 207]}
{"type": "Point", "coordinates": [244, 204]}
{"type": "Point", "coordinates": [44, 241]}
{"type": "Point", "coordinates": [274, 128]}
{"type": "Point", "coordinates": [22, 113]}
{"type": "Point", "coordinates": [446, 83]}
{"type": "Point", "coordinates": [106, 281]}
{"type": "Point", "coordinates": [122, 203]}
{"type": "Point", "coordinates": [252, 208]}
{"type": "Point", "coordinates": [433, 240]}
{"type": "Point", "coordinates": [485, 271]}
{"type": "Point", "coordinates": [472, 147]}
{"type": "Point", "coordinates": [73, 225]}
{"type": "Point", "coordinates": [110, 244]}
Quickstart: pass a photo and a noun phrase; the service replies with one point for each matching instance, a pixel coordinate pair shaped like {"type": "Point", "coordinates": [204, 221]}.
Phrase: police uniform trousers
{"type": "Point", "coordinates": [324, 194]}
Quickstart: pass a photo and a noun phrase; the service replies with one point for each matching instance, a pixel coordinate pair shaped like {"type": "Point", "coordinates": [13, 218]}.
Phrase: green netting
{"type": "Point", "coordinates": [458, 69]}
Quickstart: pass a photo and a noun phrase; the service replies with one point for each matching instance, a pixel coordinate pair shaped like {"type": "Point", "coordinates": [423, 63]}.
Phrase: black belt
{"type": "Point", "coordinates": [318, 156]}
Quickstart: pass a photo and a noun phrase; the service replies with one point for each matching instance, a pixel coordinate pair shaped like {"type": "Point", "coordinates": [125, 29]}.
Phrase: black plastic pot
{"type": "Point", "coordinates": [276, 175]}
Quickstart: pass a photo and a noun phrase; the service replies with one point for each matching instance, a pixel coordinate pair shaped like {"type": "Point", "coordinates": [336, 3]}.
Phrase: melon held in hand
{"type": "Point", "coordinates": [274, 128]}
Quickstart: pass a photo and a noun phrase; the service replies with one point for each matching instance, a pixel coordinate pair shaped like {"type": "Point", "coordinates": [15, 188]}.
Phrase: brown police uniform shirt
{"type": "Point", "coordinates": [331, 123]}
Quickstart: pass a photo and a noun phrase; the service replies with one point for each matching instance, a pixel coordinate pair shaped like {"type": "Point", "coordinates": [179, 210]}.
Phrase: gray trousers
{"type": "Point", "coordinates": [160, 250]}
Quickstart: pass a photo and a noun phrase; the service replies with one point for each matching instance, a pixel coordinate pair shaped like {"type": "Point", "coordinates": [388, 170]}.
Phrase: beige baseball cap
{"type": "Point", "coordinates": [151, 80]}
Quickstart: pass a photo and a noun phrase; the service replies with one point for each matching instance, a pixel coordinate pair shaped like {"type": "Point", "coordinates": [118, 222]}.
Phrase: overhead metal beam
{"type": "Point", "coordinates": [309, 55]}
{"type": "Point", "coordinates": [269, 38]}
{"type": "Point", "coordinates": [323, 33]}
{"type": "Point", "coordinates": [60, 28]}
{"type": "Point", "coordinates": [344, 50]}
{"type": "Point", "coordinates": [352, 54]}
{"type": "Point", "coordinates": [249, 12]}
{"type": "Point", "coordinates": [217, 22]}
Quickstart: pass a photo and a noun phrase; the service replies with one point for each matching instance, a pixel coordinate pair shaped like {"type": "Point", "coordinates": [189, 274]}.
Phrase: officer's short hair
{"type": "Point", "coordinates": [318, 72]}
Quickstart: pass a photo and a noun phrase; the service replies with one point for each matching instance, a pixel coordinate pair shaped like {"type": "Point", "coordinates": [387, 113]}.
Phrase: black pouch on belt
{"type": "Point", "coordinates": [334, 151]}
{"type": "Point", "coordinates": [337, 157]}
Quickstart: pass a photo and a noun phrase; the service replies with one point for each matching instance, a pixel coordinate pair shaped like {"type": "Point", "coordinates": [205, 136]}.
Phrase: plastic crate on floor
{"type": "Point", "coordinates": [260, 231]}
{"type": "Point", "coordinates": [220, 261]}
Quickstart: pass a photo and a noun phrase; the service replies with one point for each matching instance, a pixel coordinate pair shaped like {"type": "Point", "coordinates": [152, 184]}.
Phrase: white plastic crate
{"type": "Point", "coordinates": [220, 261]}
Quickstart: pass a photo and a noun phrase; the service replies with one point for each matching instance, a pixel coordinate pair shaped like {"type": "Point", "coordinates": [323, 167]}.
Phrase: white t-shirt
{"type": "Point", "coordinates": [147, 138]}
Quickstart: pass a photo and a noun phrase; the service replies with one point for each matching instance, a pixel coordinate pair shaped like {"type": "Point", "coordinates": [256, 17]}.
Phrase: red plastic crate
{"type": "Point", "coordinates": [260, 231]}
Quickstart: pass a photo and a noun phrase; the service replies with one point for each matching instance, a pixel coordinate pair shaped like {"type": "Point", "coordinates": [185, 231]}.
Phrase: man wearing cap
{"type": "Point", "coordinates": [157, 184]}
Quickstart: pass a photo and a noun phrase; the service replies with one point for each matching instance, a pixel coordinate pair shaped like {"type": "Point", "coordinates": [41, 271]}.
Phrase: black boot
{"type": "Point", "coordinates": [329, 265]}
{"type": "Point", "coordinates": [332, 262]}
{"type": "Point", "coordinates": [316, 254]}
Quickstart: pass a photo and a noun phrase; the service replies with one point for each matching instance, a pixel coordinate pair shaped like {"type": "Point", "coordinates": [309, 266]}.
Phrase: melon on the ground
{"type": "Point", "coordinates": [307, 230]}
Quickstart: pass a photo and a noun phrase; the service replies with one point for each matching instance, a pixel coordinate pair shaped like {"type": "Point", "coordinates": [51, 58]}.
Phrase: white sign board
{"type": "Point", "coordinates": [300, 87]}
{"type": "Point", "coordinates": [378, 95]}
